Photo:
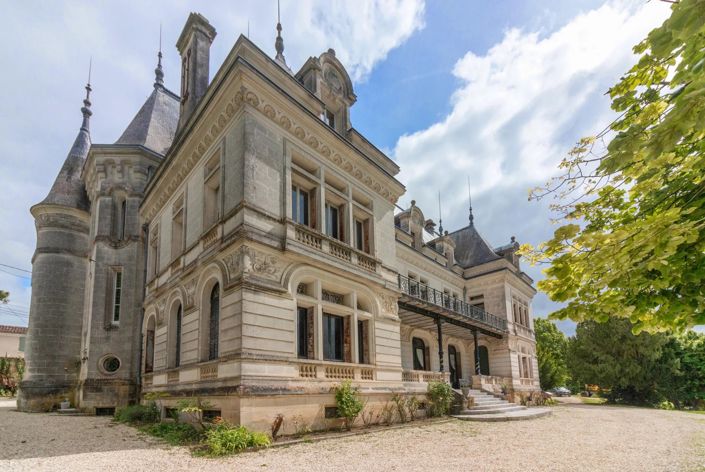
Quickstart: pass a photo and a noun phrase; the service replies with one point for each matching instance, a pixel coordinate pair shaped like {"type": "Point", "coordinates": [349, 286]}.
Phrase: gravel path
{"type": "Point", "coordinates": [574, 438]}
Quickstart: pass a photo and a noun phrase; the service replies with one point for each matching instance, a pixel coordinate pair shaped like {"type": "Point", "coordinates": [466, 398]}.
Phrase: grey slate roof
{"type": "Point", "coordinates": [154, 125]}
{"type": "Point", "coordinates": [68, 189]}
{"type": "Point", "coordinates": [471, 249]}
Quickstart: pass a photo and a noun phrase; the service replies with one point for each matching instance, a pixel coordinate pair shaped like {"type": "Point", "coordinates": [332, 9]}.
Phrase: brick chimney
{"type": "Point", "coordinates": [194, 46]}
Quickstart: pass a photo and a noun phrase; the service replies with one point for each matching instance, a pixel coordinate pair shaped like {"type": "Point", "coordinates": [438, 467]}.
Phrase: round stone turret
{"type": "Point", "coordinates": [59, 269]}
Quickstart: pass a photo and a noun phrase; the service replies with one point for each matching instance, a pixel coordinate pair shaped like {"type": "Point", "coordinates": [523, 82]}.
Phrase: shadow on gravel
{"type": "Point", "coordinates": [37, 435]}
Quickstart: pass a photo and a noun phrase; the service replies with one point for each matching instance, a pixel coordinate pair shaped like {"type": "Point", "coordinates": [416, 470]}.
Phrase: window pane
{"type": "Point", "coordinates": [360, 342]}
{"type": "Point", "coordinates": [177, 354]}
{"type": "Point", "coordinates": [419, 348]}
{"type": "Point", "coordinates": [359, 236]}
{"type": "Point", "coordinates": [117, 294]}
{"type": "Point", "coordinates": [294, 205]}
{"type": "Point", "coordinates": [332, 337]}
{"type": "Point", "coordinates": [304, 207]}
{"type": "Point", "coordinates": [302, 332]}
{"type": "Point", "coordinates": [214, 325]}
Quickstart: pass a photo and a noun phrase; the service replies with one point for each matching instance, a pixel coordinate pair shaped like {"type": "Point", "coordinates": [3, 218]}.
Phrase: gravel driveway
{"type": "Point", "coordinates": [575, 437]}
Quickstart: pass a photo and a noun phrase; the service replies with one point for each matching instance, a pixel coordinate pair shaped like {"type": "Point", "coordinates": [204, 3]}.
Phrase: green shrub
{"type": "Point", "coordinates": [665, 405]}
{"type": "Point", "coordinates": [138, 414]}
{"type": "Point", "coordinates": [440, 397]}
{"type": "Point", "coordinates": [347, 399]}
{"type": "Point", "coordinates": [176, 434]}
{"type": "Point", "coordinates": [223, 439]}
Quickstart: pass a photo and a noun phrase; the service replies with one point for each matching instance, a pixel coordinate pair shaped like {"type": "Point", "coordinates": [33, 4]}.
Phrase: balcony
{"type": "Point", "coordinates": [337, 249]}
{"type": "Point", "coordinates": [423, 295]}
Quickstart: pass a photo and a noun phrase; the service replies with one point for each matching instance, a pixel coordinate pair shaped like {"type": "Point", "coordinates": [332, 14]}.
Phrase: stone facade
{"type": "Point", "coordinates": [262, 260]}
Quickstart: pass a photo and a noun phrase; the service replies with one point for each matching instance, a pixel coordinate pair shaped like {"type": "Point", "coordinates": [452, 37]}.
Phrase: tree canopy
{"type": "Point", "coordinates": [631, 200]}
{"type": "Point", "coordinates": [4, 296]}
{"type": "Point", "coordinates": [635, 368]}
{"type": "Point", "coordinates": [551, 348]}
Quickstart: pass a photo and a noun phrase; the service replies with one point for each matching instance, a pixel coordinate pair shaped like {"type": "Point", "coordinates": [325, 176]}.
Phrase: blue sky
{"type": "Point", "coordinates": [494, 91]}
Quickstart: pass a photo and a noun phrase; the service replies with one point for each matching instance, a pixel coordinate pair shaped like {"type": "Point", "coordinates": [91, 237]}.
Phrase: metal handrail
{"type": "Point", "coordinates": [427, 294]}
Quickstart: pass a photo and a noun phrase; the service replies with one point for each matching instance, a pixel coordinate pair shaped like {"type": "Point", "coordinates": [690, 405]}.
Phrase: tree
{"type": "Point", "coordinates": [551, 350]}
{"type": "Point", "coordinates": [688, 386]}
{"type": "Point", "coordinates": [637, 368]}
{"type": "Point", "coordinates": [631, 200]}
{"type": "Point", "coordinates": [4, 296]}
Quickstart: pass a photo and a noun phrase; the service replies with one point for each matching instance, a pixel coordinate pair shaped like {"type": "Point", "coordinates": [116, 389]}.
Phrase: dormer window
{"type": "Point", "coordinates": [330, 119]}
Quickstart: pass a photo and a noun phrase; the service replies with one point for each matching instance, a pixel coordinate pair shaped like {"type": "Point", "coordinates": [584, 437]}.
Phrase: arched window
{"type": "Point", "coordinates": [214, 323]}
{"type": "Point", "coordinates": [484, 361]}
{"type": "Point", "coordinates": [419, 352]}
{"type": "Point", "coordinates": [149, 347]}
{"type": "Point", "coordinates": [177, 337]}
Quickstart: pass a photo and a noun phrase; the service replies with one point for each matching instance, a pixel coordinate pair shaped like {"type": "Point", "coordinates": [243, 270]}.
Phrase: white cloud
{"type": "Point", "coordinates": [45, 61]}
{"type": "Point", "coordinates": [518, 109]}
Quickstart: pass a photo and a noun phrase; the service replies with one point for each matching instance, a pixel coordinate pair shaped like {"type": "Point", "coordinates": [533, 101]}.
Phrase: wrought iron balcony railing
{"type": "Point", "coordinates": [430, 295]}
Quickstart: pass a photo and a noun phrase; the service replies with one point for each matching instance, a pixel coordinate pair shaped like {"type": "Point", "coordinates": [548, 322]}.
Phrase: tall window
{"type": "Point", "coordinates": [300, 202]}
{"type": "Point", "coordinates": [117, 295]}
{"type": "Point", "coordinates": [363, 352]}
{"type": "Point", "coordinates": [333, 337]}
{"type": "Point", "coordinates": [333, 221]}
{"type": "Point", "coordinates": [214, 323]}
{"type": "Point", "coordinates": [149, 347]}
{"type": "Point", "coordinates": [303, 332]}
{"type": "Point", "coordinates": [177, 338]}
{"type": "Point", "coordinates": [419, 352]}
{"type": "Point", "coordinates": [362, 236]}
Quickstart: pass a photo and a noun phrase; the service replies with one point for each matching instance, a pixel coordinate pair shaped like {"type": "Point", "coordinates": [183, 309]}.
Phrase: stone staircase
{"type": "Point", "coordinates": [487, 407]}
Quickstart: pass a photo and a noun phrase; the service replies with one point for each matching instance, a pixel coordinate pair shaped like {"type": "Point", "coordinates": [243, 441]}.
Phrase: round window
{"type": "Point", "coordinates": [111, 364]}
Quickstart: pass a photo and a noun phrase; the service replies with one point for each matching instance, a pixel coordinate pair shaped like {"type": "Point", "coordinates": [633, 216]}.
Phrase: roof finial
{"type": "Point", "coordinates": [470, 217]}
{"type": "Point", "coordinates": [440, 215]}
{"type": "Point", "coordinates": [158, 72]}
{"type": "Point", "coordinates": [279, 42]}
{"type": "Point", "coordinates": [86, 108]}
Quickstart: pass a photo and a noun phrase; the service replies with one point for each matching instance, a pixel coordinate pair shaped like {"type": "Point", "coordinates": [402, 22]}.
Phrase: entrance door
{"type": "Point", "coordinates": [454, 366]}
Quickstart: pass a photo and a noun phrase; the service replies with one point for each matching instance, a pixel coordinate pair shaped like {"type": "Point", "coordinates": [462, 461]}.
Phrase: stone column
{"type": "Point", "coordinates": [440, 342]}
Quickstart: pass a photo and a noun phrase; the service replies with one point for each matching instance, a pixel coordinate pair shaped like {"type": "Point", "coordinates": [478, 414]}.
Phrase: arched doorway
{"type": "Point", "coordinates": [484, 360]}
{"type": "Point", "coordinates": [456, 372]}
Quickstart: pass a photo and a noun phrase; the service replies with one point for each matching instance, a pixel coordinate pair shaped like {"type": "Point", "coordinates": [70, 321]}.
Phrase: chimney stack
{"type": "Point", "coordinates": [194, 46]}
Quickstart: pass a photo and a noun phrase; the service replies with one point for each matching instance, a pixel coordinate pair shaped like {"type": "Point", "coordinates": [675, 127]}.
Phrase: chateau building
{"type": "Point", "coordinates": [240, 244]}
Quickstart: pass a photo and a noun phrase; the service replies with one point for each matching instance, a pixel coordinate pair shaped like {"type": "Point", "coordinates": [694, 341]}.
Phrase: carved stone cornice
{"type": "Point", "coordinates": [176, 178]}
{"type": "Point", "coordinates": [302, 131]}
{"type": "Point", "coordinates": [319, 144]}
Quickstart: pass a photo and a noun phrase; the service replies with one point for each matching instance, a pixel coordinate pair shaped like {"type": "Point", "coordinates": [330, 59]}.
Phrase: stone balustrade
{"type": "Point", "coordinates": [208, 372]}
{"type": "Point", "coordinates": [424, 376]}
{"type": "Point", "coordinates": [338, 249]}
{"type": "Point", "coordinates": [335, 371]}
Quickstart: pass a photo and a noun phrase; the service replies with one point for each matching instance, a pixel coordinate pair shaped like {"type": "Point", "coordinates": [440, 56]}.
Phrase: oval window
{"type": "Point", "coordinates": [111, 364]}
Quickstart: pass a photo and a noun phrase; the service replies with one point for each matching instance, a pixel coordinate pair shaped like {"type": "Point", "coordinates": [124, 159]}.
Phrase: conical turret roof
{"type": "Point", "coordinates": [68, 189]}
{"type": "Point", "coordinates": [155, 123]}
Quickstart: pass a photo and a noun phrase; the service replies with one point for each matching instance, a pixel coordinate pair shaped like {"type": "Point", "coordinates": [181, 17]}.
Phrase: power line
{"type": "Point", "coordinates": [15, 275]}
{"type": "Point", "coordinates": [16, 268]}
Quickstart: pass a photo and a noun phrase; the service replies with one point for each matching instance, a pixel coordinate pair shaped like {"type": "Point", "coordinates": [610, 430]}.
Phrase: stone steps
{"type": "Point", "coordinates": [518, 415]}
{"type": "Point", "coordinates": [487, 407]}
{"type": "Point", "coordinates": [493, 410]}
